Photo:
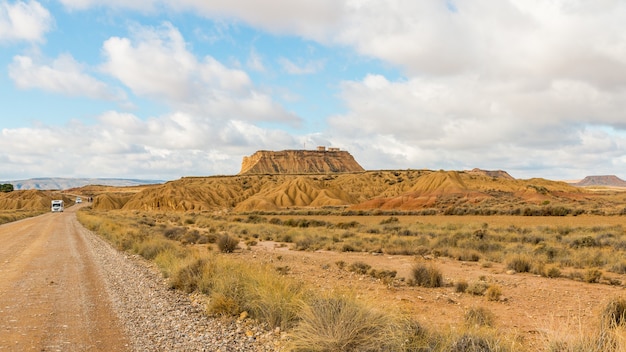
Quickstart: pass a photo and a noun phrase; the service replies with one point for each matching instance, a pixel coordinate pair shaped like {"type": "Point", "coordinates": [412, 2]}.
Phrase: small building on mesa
{"type": "Point", "coordinates": [329, 149]}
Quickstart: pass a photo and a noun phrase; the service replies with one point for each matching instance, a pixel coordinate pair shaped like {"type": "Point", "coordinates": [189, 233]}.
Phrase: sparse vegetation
{"type": "Point", "coordinates": [7, 216]}
{"type": "Point", "coordinates": [178, 245]}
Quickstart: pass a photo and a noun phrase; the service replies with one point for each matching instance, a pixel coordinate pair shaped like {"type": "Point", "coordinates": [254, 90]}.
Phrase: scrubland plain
{"type": "Point", "coordinates": [411, 260]}
{"type": "Point", "coordinates": [399, 283]}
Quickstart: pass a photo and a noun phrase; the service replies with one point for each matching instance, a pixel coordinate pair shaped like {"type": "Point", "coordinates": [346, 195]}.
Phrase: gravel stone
{"type": "Point", "coordinates": [157, 318]}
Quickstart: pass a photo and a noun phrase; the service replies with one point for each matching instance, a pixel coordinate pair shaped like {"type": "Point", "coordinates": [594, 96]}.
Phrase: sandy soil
{"type": "Point", "coordinates": [532, 309]}
{"type": "Point", "coordinates": [52, 297]}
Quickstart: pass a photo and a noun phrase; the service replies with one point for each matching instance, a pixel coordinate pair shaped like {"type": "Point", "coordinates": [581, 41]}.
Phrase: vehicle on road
{"type": "Point", "coordinates": [78, 200]}
{"type": "Point", "coordinates": [57, 206]}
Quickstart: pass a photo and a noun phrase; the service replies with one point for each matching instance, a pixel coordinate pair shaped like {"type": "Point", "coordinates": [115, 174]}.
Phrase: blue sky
{"type": "Point", "coordinates": [158, 89]}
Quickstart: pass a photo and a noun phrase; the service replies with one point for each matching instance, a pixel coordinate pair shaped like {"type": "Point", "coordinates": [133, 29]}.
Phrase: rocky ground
{"type": "Point", "coordinates": [157, 318]}
{"type": "Point", "coordinates": [62, 288]}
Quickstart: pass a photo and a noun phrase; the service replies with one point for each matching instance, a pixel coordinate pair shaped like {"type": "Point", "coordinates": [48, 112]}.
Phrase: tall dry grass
{"type": "Point", "coordinates": [342, 323]}
{"type": "Point", "coordinates": [7, 216]}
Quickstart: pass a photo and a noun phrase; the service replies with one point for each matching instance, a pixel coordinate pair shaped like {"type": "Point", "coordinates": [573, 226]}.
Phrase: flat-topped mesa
{"type": "Point", "coordinates": [320, 161]}
{"type": "Point", "coordinates": [602, 180]}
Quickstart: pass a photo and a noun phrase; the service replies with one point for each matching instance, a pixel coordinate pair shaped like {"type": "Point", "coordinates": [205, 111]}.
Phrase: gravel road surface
{"type": "Point", "coordinates": [62, 288]}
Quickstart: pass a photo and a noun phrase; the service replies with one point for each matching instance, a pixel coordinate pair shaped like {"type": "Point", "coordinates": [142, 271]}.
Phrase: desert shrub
{"type": "Point", "coordinates": [382, 274]}
{"type": "Point", "coordinates": [468, 256]}
{"type": "Point", "coordinates": [188, 276]}
{"type": "Point", "coordinates": [592, 276]}
{"type": "Point", "coordinates": [586, 241]}
{"type": "Point", "coordinates": [273, 299]}
{"type": "Point", "coordinates": [347, 225]}
{"type": "Point", "coordinates": [174, 233]}
{"type": "Point", "coordinates": [227, 244]}
{"type": "Point", "coordinates": [417, 338]}
{"type": "Point", "coordinates": [520, 263]}
{"type": "Point", "coordinates": [390, 220]}
{"type": "Point", "coordinates": [461, 286]}
{"type": "Point", "coordinates": [192, 236]}
{"type": "Point", "coordinates": [340, 264]}
{"type": "Point", "coordinates": [343, 324]}
{"type": "Point", "coordinates": [493, 293]}
{"type": "Point", "coordinates": [614, 313]}
{"type": "Point", "coordinates": [275, 221]}
{"type": "Point", "coordinates": [477, 288]}
{"type": "Point", "coordinates": [619, 268]}
{"type": "Point", "coordinates": [479, 317]}
{"type": "Point", "coordinates": [304, 243]}
{"type": "Point", "coordinates": [150, 248]}
{"type": "Point", "coordinates": [359, 267]}
{"type": "Point", "coordinates": [551, 272]}
{"type": "Point", "coordinates": [472, 343]}
{"type": "Point", "coordinates": [598, 341]}
{"type": "Point", "coordinates": [348, 247]}
{"type": "Point", "coordinates": [426, 276]}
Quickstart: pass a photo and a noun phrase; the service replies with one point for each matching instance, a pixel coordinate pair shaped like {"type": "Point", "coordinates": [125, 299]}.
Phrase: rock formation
{"type": "Point", "coordinates": [492, 173]}
{"type": "Point", "coordinates": [604, 180]}
{"type": "Point", "coordinates": [321, 161]}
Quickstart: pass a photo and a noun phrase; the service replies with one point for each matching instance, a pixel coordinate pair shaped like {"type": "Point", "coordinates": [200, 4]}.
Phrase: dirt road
{"type": "Point", "coordinates": [52, 293]}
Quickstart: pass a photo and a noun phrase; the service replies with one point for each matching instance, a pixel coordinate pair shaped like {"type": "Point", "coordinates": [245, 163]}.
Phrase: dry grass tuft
{"type": "Point", "coordinates": [479, 317]}
{"type": "Point", "coordinates": [426, 276]}
{"type": "Point", "coordinates": [343, 324]}
{"type": "Point", "coordinates": [614, 314]}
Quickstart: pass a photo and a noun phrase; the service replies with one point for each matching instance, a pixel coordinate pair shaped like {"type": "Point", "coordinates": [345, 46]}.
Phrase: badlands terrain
{"type": "Point", "coordinates": [517, 264]}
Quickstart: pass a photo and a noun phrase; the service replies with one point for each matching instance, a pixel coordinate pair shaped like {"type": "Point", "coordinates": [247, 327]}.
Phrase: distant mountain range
{"type": "Point", "coordinates": [58, 183]}
{"type": "Point", "coordinates": [604, 180]}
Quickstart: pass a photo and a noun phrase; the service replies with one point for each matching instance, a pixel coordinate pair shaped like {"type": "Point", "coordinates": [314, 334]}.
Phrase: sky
{"type": "Point", "coordinates": [156, 89]}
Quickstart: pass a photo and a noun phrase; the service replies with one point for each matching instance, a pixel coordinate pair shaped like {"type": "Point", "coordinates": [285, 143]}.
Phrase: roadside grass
{"type": "Point", "coordinates": [188, 250]}
{"type": "Point", "coordinates": [7, 216]}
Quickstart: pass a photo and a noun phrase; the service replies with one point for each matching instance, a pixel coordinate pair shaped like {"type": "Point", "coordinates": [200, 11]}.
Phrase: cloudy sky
{"type": "Point", "coordinates": [160, 89]}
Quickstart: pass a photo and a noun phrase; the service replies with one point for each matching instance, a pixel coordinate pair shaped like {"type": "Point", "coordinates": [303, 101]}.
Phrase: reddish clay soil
{"type": "Point", "coordinates": [532, 309]}
{"type": "Point", "coordinates": [52, 297]}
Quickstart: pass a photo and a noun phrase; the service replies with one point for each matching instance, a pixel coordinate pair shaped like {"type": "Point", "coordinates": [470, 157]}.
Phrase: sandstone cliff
{"type": "Point", "coordinates": [299, 162]}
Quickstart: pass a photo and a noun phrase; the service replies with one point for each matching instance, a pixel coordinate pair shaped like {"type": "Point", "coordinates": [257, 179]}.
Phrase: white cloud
{"type": "Point", "coordinates": [441, 122]}
{"type": "Point", "coordinates": [255, 61]}
{"type": "Point", "coordinates": [311, 18]}
{"type": "Point", "coordinates": [516, 84]}
{"type": "Point", "coordinates": [24, 20]}
{"type": "Point", "coordinates": [122, 145]}
{"type": "Point", "coordinates": [63, 75]}
{"type": "Point", "coordinates": [306, 68]}
{"type": "Point", "coordinates": [157, 63]}
{"type": "Point", "coordinates": [143, 5]}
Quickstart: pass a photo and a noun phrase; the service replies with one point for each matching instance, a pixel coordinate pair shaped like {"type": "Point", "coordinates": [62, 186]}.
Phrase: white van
{"type": "Point", "coordinates": [78, 200]}
{"type": "Point", "coordinates": [57, 206]}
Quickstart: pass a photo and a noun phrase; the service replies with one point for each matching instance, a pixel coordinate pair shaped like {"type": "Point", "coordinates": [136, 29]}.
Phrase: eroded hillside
{"type": "Point", "coordinates": [30, 200]}
{"type": "Point", "coordinates": [418, 191]}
